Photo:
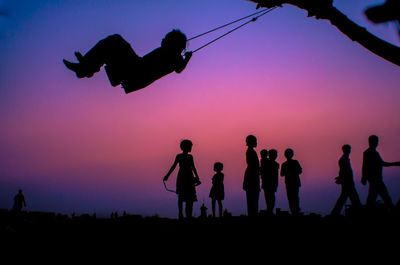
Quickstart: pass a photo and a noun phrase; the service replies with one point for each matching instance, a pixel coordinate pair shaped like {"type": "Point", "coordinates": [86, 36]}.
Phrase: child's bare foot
{"type": "Point", "coordinates": [75, 67]}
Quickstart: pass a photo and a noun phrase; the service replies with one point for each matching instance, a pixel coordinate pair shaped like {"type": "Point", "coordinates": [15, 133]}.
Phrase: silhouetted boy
{"type": "Point", "coordinates": [186, 182]}
{"type": "Point", "coordinates": [217, 192]}
{"type": "Point", "coordinates": [372, 168]}
{"type": "Point", "coordinates": [19, 201]}
{"type": "Point", "coordinates": [269, 177]}
{"type": "Point", "coordinates": [345, 179]}
{"type": "Point", "coordinates": [291, 170]}
{"type": "Point", "coordinates": [251, 182]}
{"type": "Point", "coordinates": [125, 67]}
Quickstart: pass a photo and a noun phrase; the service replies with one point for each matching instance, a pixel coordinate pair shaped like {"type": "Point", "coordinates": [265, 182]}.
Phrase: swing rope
{"type": "Point", "coordinates": [225, 25]}
{"type": "Point", "coordinates": [259, 13]}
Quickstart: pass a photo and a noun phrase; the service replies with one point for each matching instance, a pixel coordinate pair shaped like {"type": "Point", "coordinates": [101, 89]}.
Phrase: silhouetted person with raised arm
{"type": "Point", "coordinates": [187, 178]}
{"type": "Point", "coordinates": [372, 168]}
{"type": "Point", "coordinates": [269, 171]}
{"type": "Point", "coordinates": [291, 171]}
{"type": "Point", "coordinates": [125, 67]}
{"type": "Point", "coordinates": [19, 201]}
{"type": "Point", "coordinates": [251, 182]}
{"type": "Point", "coordinates": [217, 192]}
{"type": "Point", "coordinates": [346, 180]}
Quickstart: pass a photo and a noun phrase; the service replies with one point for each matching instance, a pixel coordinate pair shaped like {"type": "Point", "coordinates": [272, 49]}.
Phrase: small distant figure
{"type": "Point", "coordinates": [123, 66]}
{"type": "Point", "coordinates": [203, 211]}
{"type": "Point", "coordinates": [291, 171]}
{"type": "Point", "coordinates": [217, 192]}
{"type": "Point", "coordinates": [269, 171]}
{"type": "Point", "coordinates": [372, 168]}
{"type": "Point", "coordinates": [251, 182]}
{"type": "Point", "coordinates": [186, 182]}
{"type": "Point", "coordinates": [346, 180]}
{"type": "Point", "coordinates": [19, 201]}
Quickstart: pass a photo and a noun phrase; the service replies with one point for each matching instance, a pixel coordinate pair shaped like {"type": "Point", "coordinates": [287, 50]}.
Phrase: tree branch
{"type": "Point", "coordinates": [324, 9]}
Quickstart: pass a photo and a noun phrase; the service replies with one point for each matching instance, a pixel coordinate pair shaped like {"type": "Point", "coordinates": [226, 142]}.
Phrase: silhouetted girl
{"type": "Point", "coordinates": [124, 66]}
{"type": "Point", "coordinates": [185, 181]}
{"type": "Point", "coordinates": [217, 192]}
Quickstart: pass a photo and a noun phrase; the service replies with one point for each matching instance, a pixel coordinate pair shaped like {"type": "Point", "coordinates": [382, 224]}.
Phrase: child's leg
{"type": "Point", "coordinates": [113, 51]}
{"type": "Point", "coordinates": [213, 207]}
{"type": "Point", "coordinates": [220, 207]}
{"type": "Point", "coordinates": [189, 209]}
{"type": "Point", "coordinates": [180, 207]}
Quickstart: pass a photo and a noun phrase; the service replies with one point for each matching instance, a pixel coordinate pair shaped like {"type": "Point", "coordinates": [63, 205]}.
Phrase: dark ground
{"type": "Point", "coordinates": [366, 235]}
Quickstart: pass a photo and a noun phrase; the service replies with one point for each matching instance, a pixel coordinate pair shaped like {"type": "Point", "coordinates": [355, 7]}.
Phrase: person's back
{"type": "Point", "coordinates": [291, 170]}
{"type": "Point", "coordinates": [345, 170]}
{"type": "Point", "coordinates": [372, 165]}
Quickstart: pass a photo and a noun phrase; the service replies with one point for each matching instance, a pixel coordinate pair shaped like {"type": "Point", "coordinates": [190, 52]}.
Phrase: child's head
{"type": "Point", "coordinates": [264, 153]}
{"type": "Point", "coordinates": [186, 145]}
{"type": "Point", "coordinates": [251, 141]}
{"type": "Point", "coordinates": [289, 153]}
{"type": "Point", "coordinates": [273, 154]}
{"type": "Point", "coordinates": [346, 149]}
{"type": "Point", "coordinates": [174, 40]}
{"type": "Point", "coordinates": [218, 166]}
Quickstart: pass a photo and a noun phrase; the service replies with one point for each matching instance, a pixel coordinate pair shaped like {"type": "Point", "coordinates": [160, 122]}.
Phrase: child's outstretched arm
{"type": "Point", "coordinates": [184, 62]}
{"type": "Point", "coordinates": [171, 169]}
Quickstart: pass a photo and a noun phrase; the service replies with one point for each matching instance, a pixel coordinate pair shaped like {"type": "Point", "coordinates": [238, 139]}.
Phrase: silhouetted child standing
{"type": "Point", "coordinates": [269, 171]}
{"type": "Point", "coordinates": [19, 201]}
{"type": "Point", "coordinates": [251, 182]}
{"type": "Point", "coordinates": [291, 171]}
{"type": "Point", "coordinates": [125, 67]}
{"type": "Point", "coordinates": [186, 182]}
{"type": "Point", "coordinates": [217, 192]}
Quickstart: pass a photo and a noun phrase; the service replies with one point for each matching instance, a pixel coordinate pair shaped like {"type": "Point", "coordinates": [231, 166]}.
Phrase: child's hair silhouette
{"type": "Point", "coordinates": [125, 67]}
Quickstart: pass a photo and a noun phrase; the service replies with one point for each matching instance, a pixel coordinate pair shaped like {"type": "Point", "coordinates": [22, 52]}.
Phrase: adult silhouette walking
{"type": "Point", "coordinates": [125, 67]}
{"type": "Point", "coordinates": [346, 180]}
{"type": "Point", "coordinates": [187, 179]}
{"type": "Point", "coordinates": [291, 171]}
{"type": "Point", "coordinates": [19, 201]}
{"type": "Point", "coordinates": [251, 181]}
{"type": "Point", "coordinates": [372, 168]}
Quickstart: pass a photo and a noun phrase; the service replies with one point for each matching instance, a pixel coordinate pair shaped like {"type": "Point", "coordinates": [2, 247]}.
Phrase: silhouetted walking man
{"type": "Point", "coordinates": [372, 168]}
{"type": "Point", "coordinates": [251, 182]}
{"type": "Point", "coordinates": [291, 170]}
{"type": "Point", "coordinates": [269, 177]}
{"type": "Point", "coordinates": [19, 201]}
{"type": "Point", "coordinates": [346, 179]}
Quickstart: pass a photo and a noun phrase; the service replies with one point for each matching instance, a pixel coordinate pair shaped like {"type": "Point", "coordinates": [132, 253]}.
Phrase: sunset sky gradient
{"type": "Point", "coordinates": [81, 145]}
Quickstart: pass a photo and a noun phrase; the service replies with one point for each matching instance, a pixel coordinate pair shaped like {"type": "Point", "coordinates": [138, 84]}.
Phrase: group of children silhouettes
{"type": "Point", "coordinates": [188, 178]}
{"type": "Point", "coordinates": [267, 169]}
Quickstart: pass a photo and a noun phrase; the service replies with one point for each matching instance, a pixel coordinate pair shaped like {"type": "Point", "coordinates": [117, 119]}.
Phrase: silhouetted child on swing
{"type": "Point", "coordinates": [217, 192]}
{"type": "Point", "coordinates": [123, 66]}
{"type": "Point", "coordinates": [186, 182]}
